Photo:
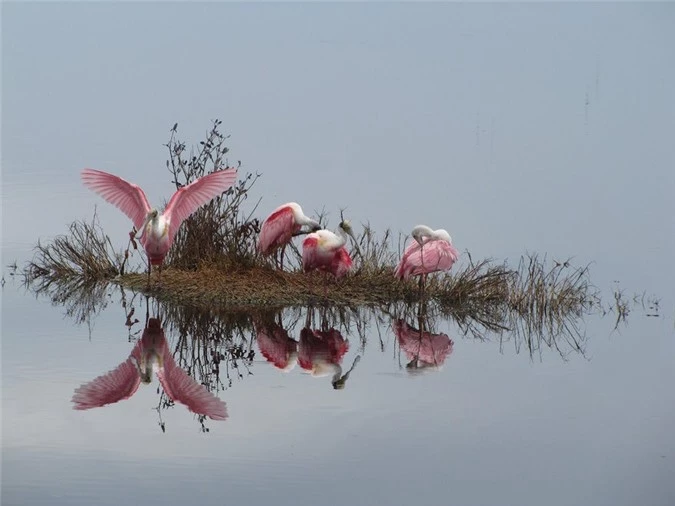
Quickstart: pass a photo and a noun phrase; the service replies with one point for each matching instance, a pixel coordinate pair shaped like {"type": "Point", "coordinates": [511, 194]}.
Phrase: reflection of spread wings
{"type": "Point", "coordinates": [182, 388]}
{"type": "Point", "coordinates": [116, 385]}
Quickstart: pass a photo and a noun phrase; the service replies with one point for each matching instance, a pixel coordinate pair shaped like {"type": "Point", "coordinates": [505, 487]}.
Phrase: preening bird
{"type": "Point", "coordinates": [325, 251]}
{"type": "Point", "coordinates": [281, 226]}
{"type": "Point", "coordinates": [428, 251]}
{"type": "Point", "coordinates": [156, 231]}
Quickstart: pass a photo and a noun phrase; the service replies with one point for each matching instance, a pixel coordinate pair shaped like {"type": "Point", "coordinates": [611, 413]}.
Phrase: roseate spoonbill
{"type": "Point", "coordinates": [424, 349]}
{"type": "Point", "coordinates": [276, 346]}
{"type": "Point", "coordinates": [428, 251]}
{"type": "Point", "coordinates": [151, 353]}
{"type": "Point", "coordinates": [281, 226]}
{"type": "Point", "coordinates": [156, 231]}
{"type": "Point", "coordinates": [320, 353]}
{"type": "Point", "coordinates": [325, 250]}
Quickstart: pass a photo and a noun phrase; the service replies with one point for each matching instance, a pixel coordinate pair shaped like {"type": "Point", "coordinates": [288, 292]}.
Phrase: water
{"type": "Point", "coordinates": [518, 128]}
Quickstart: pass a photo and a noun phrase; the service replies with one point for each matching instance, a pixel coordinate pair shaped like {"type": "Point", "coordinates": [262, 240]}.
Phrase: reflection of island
{"type": "Point", "coordinates": [151, 353]}
{"type": "Point", "coordinates": [424, 349]}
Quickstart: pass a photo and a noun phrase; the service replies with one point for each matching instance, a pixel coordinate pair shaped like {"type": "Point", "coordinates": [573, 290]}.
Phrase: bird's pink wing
{"type": "Point", "coordinates": [341, 263]}
{"type": "Point", "coordinates": [439, 255]}
{"type": "Point", "coordinates": [126, 196]}
{"type": "Point", "coordinates": [191, 197]}
{"type": "Point", "coordinates": [180, 387]}
{"type": "Point", "coordinates": [118, 384]}
{"type": "Point", "coordinates": [425, 346]}
{"type": "Point", "coordinates": [434, 256]}
{"type": "Point", "coordinates": [405, 265]}
{"type": "Point", "coordinates": [275, 344]}
{"type": "Point", "coordinates": [310, 258]}
{"type": "Point", "coordinates": [336, 343]}
{"type": "Point", "coordinates": [277, 229]}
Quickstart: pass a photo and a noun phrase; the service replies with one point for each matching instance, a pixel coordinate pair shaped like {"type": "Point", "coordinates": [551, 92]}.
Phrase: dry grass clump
{"type": "Point", "coordinates": [219, 231]}
{"type": "Point", "coordinates": [84, 255]}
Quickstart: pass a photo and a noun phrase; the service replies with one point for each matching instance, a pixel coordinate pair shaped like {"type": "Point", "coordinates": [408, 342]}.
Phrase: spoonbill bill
{"type": "Point", "coordinates": [151, 353]}
{"type": "Point", "coordinates": [325, 251]}
{"type": "Point", "coordinates": [281, 226]}
{"type": "Point", "coordinates": [428, 251]}
{"type": "Point", "coordinates": [156, 231]}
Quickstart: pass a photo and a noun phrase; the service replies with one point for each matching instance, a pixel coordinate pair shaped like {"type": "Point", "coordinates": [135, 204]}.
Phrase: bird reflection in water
{"type": "Point", "coordinates": [276, 346]}
{"type": "Point", "coordinates": [425, 351]}
{"type": "Point", "coordinates": [319, 352]}
{"type": "Point", "coordinates": [151, 353]}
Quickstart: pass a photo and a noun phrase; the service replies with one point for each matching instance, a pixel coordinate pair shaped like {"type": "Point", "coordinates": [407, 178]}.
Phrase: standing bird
{"type": "Point", "coordinates": [281, 226]}
{"type": "Point", "coordinates": [428, 251]}
{"type": "Point", "coordinates": [156, 231]}
{"type": "Point", "coordinates": [325, 251]}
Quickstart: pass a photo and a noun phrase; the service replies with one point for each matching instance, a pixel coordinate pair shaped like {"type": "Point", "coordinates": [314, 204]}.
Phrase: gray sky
{"type": "Point", "coordinates": [514, 126]}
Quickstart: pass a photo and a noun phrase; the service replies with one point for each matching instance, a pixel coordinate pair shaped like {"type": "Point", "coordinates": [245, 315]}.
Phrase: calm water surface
{"type": "Point", "coordinates": [517, 128]}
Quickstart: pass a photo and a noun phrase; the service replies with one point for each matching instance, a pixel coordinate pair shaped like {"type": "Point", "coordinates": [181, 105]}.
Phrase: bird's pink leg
{"type": "Point", "coordinates": [283, 250]}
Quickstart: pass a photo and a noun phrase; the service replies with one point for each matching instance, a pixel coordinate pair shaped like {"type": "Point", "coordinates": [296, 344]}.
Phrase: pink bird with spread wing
{"type": "Point", "coordinates": [151, 353]}
{"type": "Point", "coordinates": [281, 226]}
{"type": "Point", "coordinates": [428, 251]}
{"type": "Point", "coordinates": [156, 231]}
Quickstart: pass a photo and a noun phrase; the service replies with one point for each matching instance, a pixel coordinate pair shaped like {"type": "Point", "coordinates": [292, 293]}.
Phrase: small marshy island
{"type": "Point", "coordinates": [215, 262]}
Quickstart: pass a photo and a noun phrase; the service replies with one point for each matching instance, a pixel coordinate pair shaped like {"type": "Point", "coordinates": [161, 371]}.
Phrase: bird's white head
{"type": "Point", "coordinates": [420, 232]}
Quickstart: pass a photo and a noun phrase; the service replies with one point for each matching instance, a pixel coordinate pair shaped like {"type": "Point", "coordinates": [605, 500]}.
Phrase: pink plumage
{"type": "Point", "coordinates": [278, 228]}
{"type": "Point", "coordinates": [122, 382]}
{"type": "Point", "coordinates": [276, 346]}
{"type": "Point", "coordinates": [425, 348]}
{"type": "Point", "coordinates": [320, 348]}
{"type": "Point", "coordinates": [157, 236]}
{"type": "Point", "coordinates": [114, 386]}
{"type": "Point", "coordinates": [432, 256]}
{"type": "Point", "coordinates": [323, 252]}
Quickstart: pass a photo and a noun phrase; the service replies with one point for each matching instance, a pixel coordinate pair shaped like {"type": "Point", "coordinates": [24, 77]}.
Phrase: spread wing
{"type": "Point", "coordinates": [114, 386]}
{"type": "Point", "coordinates": [182, 388]}
{"type": "Point", "coordinates": [126, 196]}
{"type": "Point", "coordinates": [191, 197]}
